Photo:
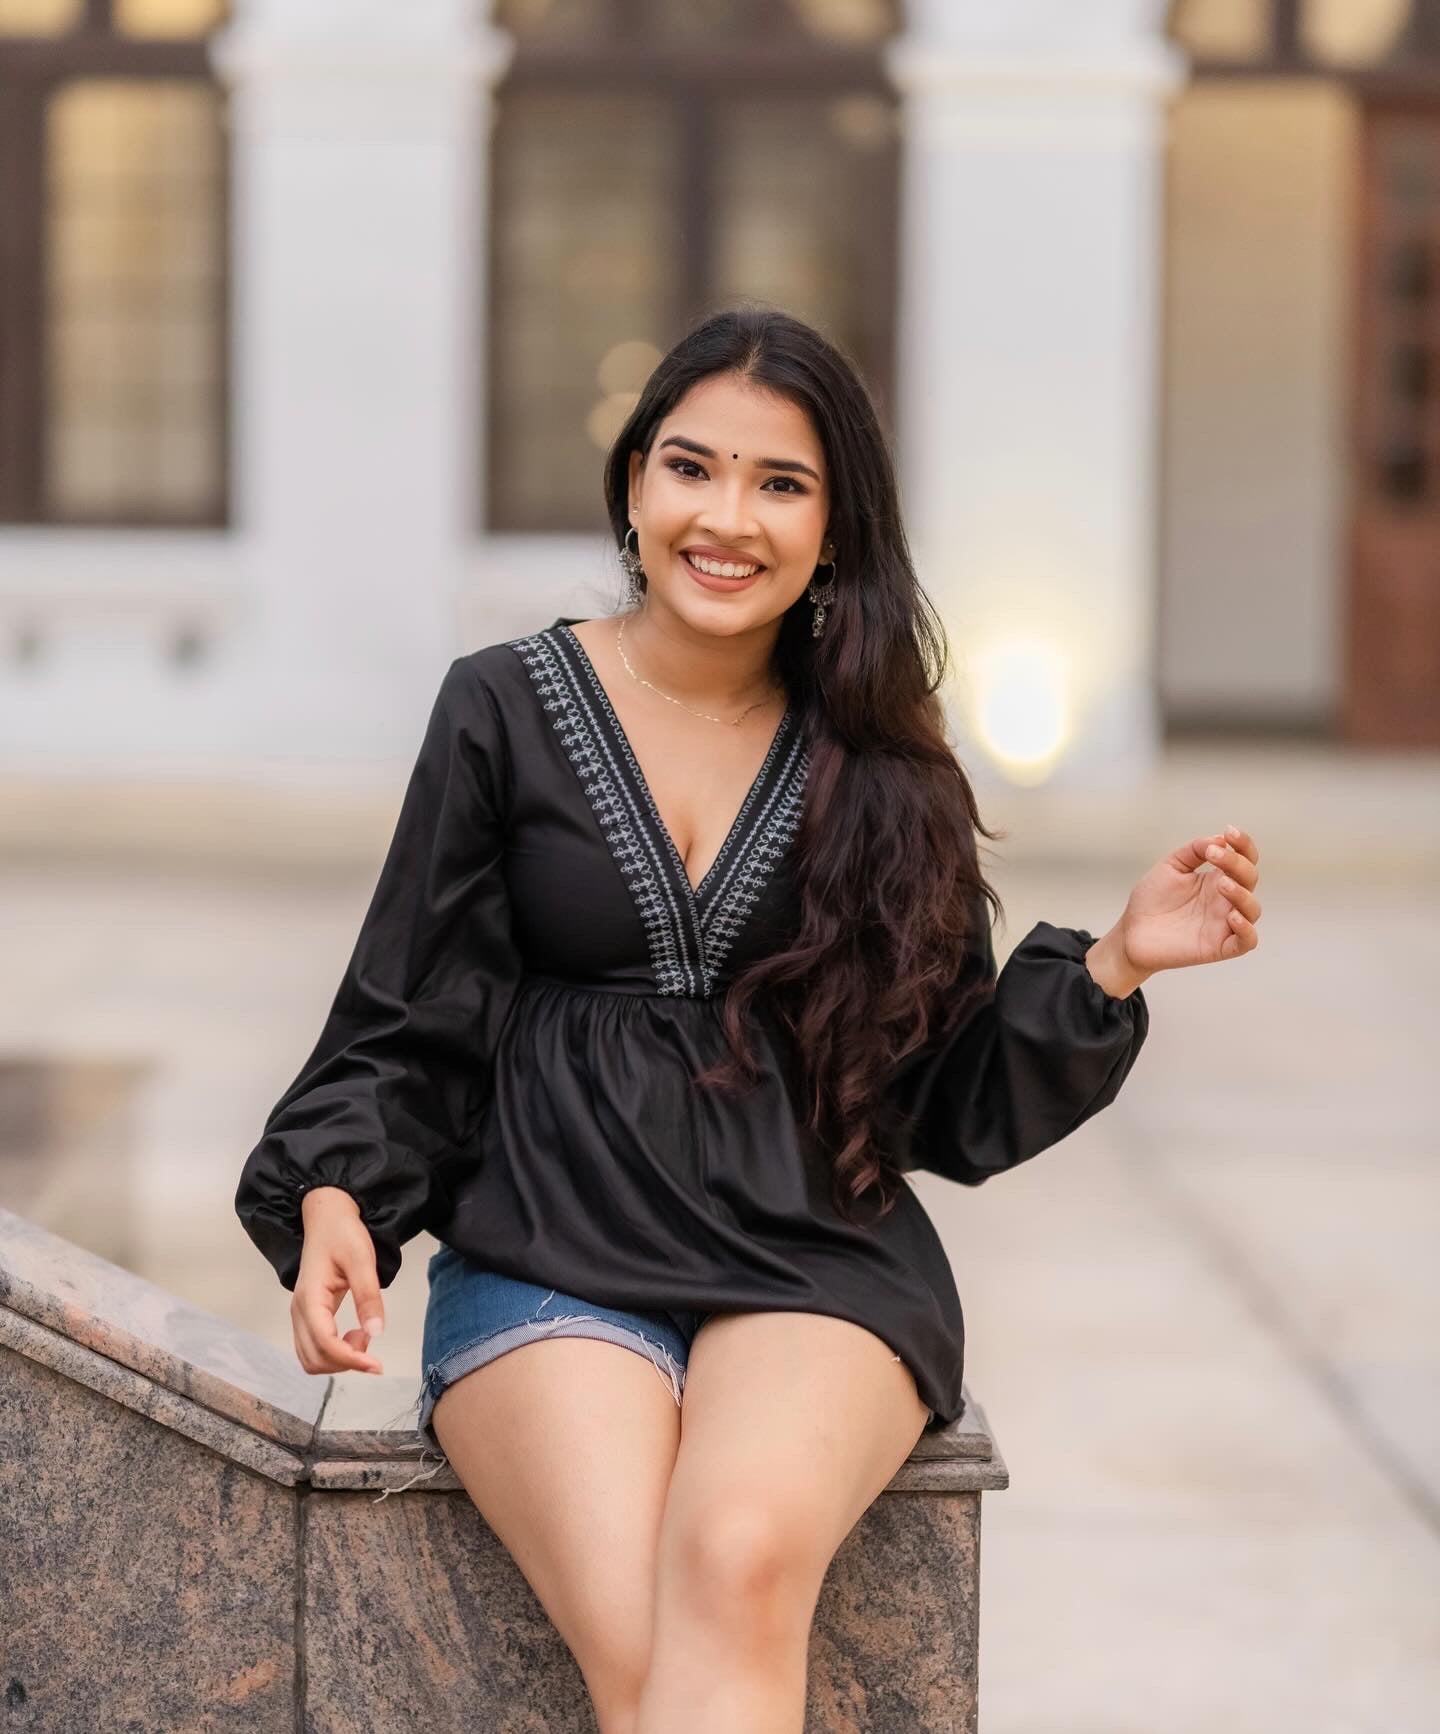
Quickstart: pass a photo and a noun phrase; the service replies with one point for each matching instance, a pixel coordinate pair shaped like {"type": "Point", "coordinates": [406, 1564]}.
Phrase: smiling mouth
{"type": "Point", "coordinates": [720, 577]}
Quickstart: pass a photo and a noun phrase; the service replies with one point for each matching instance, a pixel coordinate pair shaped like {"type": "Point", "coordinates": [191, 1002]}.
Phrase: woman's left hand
{"type": "Point", "coordinates": [1177, 915]}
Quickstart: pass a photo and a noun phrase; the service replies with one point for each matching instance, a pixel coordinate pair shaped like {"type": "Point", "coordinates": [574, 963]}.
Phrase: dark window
{"type": "Point", "coordinates": [112, 263]}
{"type": "Point", "coordinates": [650, 161]}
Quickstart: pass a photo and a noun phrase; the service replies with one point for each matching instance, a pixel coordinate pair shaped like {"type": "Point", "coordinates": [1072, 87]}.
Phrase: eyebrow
{"type": "Point", "coordinates": [760, 463]}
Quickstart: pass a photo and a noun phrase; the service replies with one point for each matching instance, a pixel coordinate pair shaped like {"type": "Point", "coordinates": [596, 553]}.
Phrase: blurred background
{"type": "Point", "coordinates": [316, 320]}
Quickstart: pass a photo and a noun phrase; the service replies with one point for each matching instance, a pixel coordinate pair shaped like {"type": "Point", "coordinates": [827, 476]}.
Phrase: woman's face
{"type": "Point", "coordinates": [756, 494]}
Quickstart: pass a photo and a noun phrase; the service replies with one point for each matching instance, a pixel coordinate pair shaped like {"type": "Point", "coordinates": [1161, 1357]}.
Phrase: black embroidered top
{"type": "Point", "coordinates": [508, 1059]}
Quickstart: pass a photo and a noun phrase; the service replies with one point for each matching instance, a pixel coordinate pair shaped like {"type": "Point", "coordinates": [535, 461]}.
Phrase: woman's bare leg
{"type": "Point", "coordinates": [792, 1425]}
{"type": "Point", "coordinates": [582, 1525]}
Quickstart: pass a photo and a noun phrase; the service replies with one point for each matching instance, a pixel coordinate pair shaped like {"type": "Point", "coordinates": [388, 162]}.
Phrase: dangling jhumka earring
{"type": "Point", "coordinates": [634, 571]}
{"type": "Point", "coordinates": [823, 596]}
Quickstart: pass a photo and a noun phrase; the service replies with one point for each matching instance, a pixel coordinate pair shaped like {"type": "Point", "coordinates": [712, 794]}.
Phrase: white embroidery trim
{"type": "Point", "coordinates": [688, 932]}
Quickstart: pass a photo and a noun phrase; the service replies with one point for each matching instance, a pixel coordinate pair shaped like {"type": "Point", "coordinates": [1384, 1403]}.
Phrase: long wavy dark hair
{"type": "Point", "coordinates": [885, 856]}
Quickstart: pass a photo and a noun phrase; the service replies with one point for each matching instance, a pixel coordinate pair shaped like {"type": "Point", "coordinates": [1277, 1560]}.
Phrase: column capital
{"type": "Point", "coordinates": [389, 50]}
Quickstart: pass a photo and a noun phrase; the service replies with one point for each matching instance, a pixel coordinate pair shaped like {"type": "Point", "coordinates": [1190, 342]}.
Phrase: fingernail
{"type": "Point", "coordinates": [1232, 831]}
{"type": "Point", "coordinates": [372, 1328]}
{"type": "Point", "coordinates": [1214, 851]}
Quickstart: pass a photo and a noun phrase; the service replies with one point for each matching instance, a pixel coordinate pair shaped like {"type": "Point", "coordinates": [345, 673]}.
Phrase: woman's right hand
{"type": "Point", "coordinates": [337, 1256]}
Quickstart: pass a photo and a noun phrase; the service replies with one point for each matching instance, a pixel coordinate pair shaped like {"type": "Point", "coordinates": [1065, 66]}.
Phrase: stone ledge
{"type": "Point", "coordinates": [228, 1390]}
{"type": "Point", "coordinates": [180, 1348]}
{"type": "Point", "coordinates": [132, 1390]}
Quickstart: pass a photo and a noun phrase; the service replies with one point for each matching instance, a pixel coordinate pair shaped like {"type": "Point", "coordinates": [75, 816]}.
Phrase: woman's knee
{"type": "Point", "coordinates": [741, 1561]}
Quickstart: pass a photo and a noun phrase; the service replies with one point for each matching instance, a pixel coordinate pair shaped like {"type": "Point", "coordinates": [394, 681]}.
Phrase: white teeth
{"type": "Point", "coordinates": [719, 569]}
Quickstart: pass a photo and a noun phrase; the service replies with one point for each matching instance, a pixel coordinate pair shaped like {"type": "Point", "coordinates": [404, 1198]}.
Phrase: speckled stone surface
{"type": "Point", "coordinates": [894, 1646]}
{"type": "Point", "coordinates": [372, 1415]}
{"type": "Point", "coordinates": [417, 1618]}
{"type": "Point", "coordinates": [949, 1475]}
{"type": "Point", "coordinates": [417, 1470]}
{"type": "Point", "coordinates": [147, 1582]}
{"type": "Point", "coordinates": [195, 1543]}
{"type": "Point", "coordinates": [181, 1347]}
{"type": "Point", "coordinates": [109, 1379]}
{"type": "Point", "coordinates": [969, 1436]}
{"type": "Point", "coordinates": [402, 1600]}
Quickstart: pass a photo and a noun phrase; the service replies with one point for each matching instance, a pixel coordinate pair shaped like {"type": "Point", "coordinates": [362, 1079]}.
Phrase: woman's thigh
{"type": "Point", "coordinates": [565, 1443]}
{"type": "Point", "coordinates": [793, 1423]}
{"type": "Point", "coordinates": [566, 1447]}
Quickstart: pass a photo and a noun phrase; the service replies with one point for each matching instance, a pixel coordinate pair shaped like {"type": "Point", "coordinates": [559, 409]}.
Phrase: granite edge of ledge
{"type": "Point", "coordinates": [423, 1473]}
{"type": "Point", "coordinates": [398, 1461]}
{"type": "Point", "coordinates": [178, 1346]}
{"type": "Point", "coordinates": [223, 1386]}
{"type": "Point", "coordinates": [121, 1384]}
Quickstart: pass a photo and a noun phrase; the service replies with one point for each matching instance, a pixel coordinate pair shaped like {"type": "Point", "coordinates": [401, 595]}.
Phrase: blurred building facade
{"type": "Point", "coordinates": [317, 317]}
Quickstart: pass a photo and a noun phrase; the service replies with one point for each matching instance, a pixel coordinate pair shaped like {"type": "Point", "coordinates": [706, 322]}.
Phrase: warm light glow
{"type": "Point", "coordinates": [1022, 707]}
{"type": "Point", "coordinates": [1352, 32]}
{"type": "Point", "coordinates": [172, 18]}
{"type": "Point", "coordinates": [626, 366]}
{"type": "Point", "coordinates": [608, 415]}
{"type": "Point", "coordinates": [855, 22]}
{"type": "Point", "coordinates": [1223, 29]}
{"type": "Point", "coordinates": [38, 17]}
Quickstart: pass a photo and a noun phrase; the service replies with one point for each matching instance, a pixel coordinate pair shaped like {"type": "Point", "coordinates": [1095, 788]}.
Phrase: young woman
{"type": "Point", "coordinates": [679, 960]}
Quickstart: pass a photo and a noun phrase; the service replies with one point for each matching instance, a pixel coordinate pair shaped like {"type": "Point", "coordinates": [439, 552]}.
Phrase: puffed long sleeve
{"type": "Point", "coordinates": [401, 1073]}
{"type": "Point", "coordinates": [1025, 1067]}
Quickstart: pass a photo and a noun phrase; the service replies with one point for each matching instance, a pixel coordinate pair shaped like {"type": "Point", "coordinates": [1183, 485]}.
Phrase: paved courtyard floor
{"type": "Point", "coordinates": [1203, 1329]}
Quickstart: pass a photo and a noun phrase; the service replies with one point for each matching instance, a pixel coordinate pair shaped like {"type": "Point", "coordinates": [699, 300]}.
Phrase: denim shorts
{"type": "Point", "coordinates": [474, 1315]}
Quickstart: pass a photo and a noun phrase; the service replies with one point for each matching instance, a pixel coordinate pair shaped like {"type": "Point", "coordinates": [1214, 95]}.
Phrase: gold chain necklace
{"type": "Point", "coordinates": [735, 722]}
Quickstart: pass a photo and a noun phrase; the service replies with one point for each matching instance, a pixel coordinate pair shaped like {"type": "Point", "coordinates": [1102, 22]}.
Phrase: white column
{"type": "Point", "coordinates": [359, 133]}
{"type": "Point", "coordinates": [1032, 227]}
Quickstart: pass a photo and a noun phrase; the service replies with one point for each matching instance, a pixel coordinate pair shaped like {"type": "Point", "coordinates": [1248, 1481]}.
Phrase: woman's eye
{"type": "Point", "coordinates": [683, 466]}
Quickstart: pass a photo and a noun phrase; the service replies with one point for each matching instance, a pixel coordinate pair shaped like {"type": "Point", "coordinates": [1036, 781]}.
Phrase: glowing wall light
{"type": "Point", "coordinates": [1022, 705]}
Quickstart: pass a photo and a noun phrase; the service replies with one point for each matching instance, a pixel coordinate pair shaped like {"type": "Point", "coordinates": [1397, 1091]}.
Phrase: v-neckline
{"type": "Point", "coordinates": [782, 728]}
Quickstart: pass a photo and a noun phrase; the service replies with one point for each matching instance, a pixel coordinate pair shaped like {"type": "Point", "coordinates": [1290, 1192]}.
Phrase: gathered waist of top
{"type": "Point", "coordinates": [636, 989]}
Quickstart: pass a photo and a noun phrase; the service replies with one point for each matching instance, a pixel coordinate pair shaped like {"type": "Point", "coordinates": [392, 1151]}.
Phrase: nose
{"type": "Point", "coordinates": [729, 518]}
